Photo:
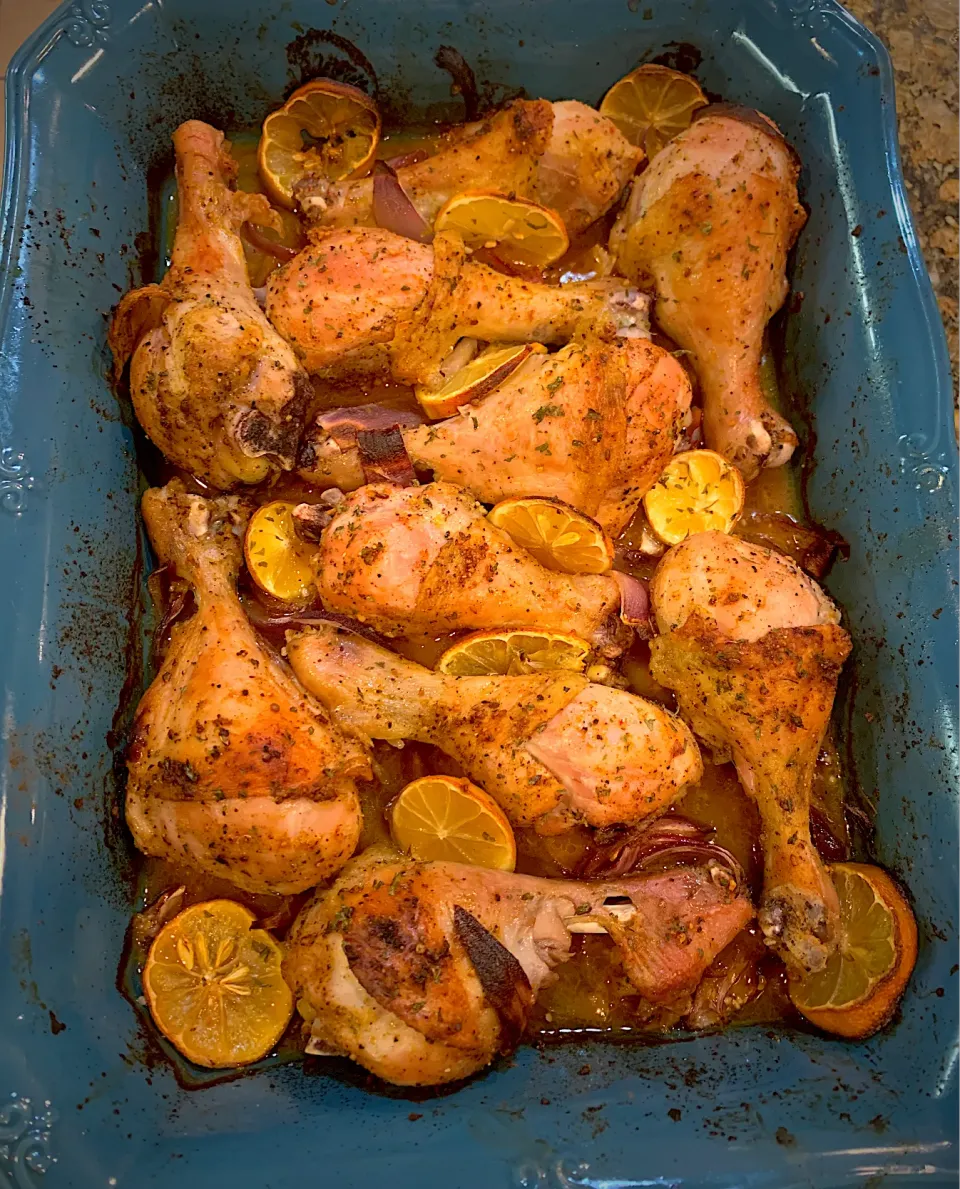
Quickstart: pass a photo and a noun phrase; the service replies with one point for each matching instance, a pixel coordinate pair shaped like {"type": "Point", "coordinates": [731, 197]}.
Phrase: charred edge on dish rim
{"type": "Point", "coordinates": [306, 60]}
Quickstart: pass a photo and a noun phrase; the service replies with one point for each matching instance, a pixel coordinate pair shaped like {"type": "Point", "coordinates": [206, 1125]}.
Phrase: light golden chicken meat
{"type": "Point", "coordinates": [585, 166]}
{"type": "Point", "coordinates": [554, 749]}
{"type": "Point", "coordinates": [593, 425]}
{"type": "Point", "coordinates": [213, 384]}
{"type": "Point", "coordinates": [709, 225]}
{"type": "Point", "coordinates": [563, 155]}
{"type": "Point", "coordinates": [363, 300]}
{"type": "Point", "coordinates": [419, 561]}
{"type": "Point", "coordinates": [753, 649]}
{"type": "Point", "coordinates": [232, 768]}
{"type": "Point", "coordinates": [423, 972]}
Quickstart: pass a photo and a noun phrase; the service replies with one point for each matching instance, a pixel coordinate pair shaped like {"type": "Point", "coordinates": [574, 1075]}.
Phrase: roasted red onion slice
{"type": "Point", "coordinates": [465, 350]}
{"type": "Point", "coordinates": [732, 981]}
{"type": "Point", "coordinates": [393, 210]}
{"type": "Point", "coordinates": [309, 521]}
{"type": "Point", "coordinates": [811, 546]}
{"type": "Point", "coordinates": [634, 604]}
{"type": "Point", "coordinates": [275, 624]}
{"type": "Point", "coordinates": [384, 457]}
{"type": "Point", "coordinates": [671, 840]}
{"type": "Point", "coordinates": [464, 80]}
{"type": "Point", "coordinates": [343, 425]}
{"type": "Point", "coordinates": [174, 603]}
{"type": "Point", "coordinates": [263, 243]}
{"type": "Point", "coordinates": [414, 157]}
{"type": "Point", "coordinates": [148, 923]}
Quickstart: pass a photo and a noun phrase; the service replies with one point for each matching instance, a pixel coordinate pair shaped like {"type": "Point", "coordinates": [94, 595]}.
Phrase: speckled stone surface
{"type": "Point", "coordinates": [922, 38]}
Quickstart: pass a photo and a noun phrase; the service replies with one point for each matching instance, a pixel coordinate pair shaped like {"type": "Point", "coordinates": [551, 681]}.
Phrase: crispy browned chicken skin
{"type": "Point", "coordinates": [753, 649]}
{"type": "Point", "coordinates": [423, 972]}
{"type": "Point", "coordinates": [233, 768]}
{"type": "Point", "coordinates": [213, 384]}
{"type": "Point", "coordinates": [554, 749]}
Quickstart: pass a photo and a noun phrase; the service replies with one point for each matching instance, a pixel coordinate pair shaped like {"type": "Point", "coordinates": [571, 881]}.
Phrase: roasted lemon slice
{"type": "Point", "coordinates": [698, 491]}
{"type": "Point", "coordinates": [652, 104]}
{"type": "Point", "coordinates": [278, 561]}
{"type": "Point", "coordinates": [558, 536]}
{"type": "Point", "coordinates": [214, 987]}
{"type": "Point", "coordinates": [326, 128]}
{"type": "Point", "coordinates": [443, 818]}
{"type": "Point", "coordinates": [512, 654]}
{"type": "Point", "coordinates": [858, 990]}
{"type": "Point", "coordinates": [476, 379]}
{"type": "Point", "coordinates": [521, 231]}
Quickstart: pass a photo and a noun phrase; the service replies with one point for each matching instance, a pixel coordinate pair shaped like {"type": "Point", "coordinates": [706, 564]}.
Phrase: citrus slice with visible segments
{"type": "Point", "coordinates": [558, 536]}
{"type": "Point", "coordinates": [521, 231]}
{"type": "Point", "coordinates": [513, 654]}
{"type": "Point", "coordinates": [476, 379]}
{"type": "Point", "coordinates": [214, 987]}
{"type": "Point", "coordinates": [325, 128]}
{"type": "Point", "coordinates": [698, 491]}
{"type": "Point", "coordinates": [858, 990]}
{"type": "Point", "coordinates": [449, 819]}
{"type": "Point", "coordinates": [278, 561]}
{"type": "Point", "coordinates": [652, 104]}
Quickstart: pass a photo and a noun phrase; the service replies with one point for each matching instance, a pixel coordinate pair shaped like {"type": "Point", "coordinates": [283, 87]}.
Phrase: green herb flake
{"type": "Point", "coordinates": [547, 411]}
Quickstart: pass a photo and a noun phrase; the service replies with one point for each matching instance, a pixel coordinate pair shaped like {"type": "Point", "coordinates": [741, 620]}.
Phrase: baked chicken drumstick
{"type": "Point", "coordinates": [423, 972]}
{"type": "Point", "coordinates": [363, 300]}
{"type": "Point", "coordinates": [563, 155]}
{"type": "Point", "coordinates": [753, 649]}
{"type": "Point", "coordinates": [232, 768]}
{"type": "Point", "coordinates": [425, 560]}
{"type": "Point", "coordinates": [554, 749]}
{"type": "Point", "coordinates": [709, 225]}
{"type": "Point", "coordinates": [213, 384]}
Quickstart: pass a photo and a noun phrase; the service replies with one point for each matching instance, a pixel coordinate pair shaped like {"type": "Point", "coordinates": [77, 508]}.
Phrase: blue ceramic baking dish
{"type": "Point", "coordinates": [91, 101]}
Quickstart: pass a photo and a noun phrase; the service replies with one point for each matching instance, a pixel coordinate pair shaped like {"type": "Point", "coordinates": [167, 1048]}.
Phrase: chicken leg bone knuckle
{"type": "Point", "coordinates": [553, 749]}
{"type": "Point", "coordinates": [213, 384]}
{"type": "Point", "coordinates": [423, 972]}
{"type": "Point", "coordinates": [233, 769]}
{"type": "Point", "coordinates": [753, 649]}
{"type": "Point", "coordinates": [709, 224]}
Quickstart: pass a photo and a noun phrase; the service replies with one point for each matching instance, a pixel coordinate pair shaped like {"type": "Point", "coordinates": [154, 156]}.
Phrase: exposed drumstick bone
{"type": "Point", "coordinates": [622, 911]}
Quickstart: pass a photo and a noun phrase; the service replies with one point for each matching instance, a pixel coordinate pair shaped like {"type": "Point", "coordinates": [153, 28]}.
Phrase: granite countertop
{"type": "Point", "coordinates": [922, 38]}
